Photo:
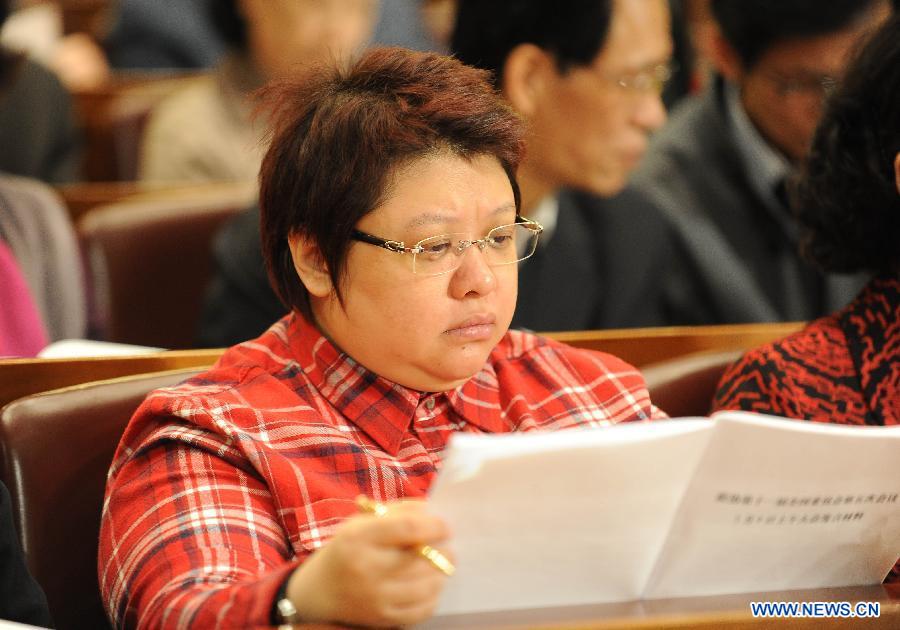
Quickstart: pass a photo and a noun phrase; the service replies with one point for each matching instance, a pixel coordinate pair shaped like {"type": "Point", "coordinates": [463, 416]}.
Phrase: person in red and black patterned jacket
{"type": "Point", "coordinates": [844, 368]}
{"type": "Point", "coordinates": [390, 225]}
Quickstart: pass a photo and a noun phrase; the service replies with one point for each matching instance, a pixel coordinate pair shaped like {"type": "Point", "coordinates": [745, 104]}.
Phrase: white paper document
{"type": "Point", "coordinates": [690, 507]}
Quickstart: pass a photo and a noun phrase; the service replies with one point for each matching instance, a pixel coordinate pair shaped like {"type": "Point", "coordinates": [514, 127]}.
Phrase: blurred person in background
{"type": "Point", "coordinates": [63, 37]}
{"type": "Point", "coordinates": [206, 132]}
{"type": "Point", "coordinates": [717, 170]}
{"type": "Point", "coordinates": [587, 78]}
{"type": "Point", "coordinates": [38, 130]}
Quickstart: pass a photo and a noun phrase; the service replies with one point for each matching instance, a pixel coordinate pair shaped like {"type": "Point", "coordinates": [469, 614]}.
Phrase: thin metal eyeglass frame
{"type": "Point", "coordinates": [650, 79]}
{"type": "Point", "coordinates": [399, 247]}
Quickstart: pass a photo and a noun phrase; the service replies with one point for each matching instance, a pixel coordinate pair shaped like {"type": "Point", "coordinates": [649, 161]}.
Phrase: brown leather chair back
{"type": "Point", "coordinates": [113, 116]}
{"type": "Point", "coordinates": [685, 386]}
{"type": "Point", "coordinates": [56, 448]}
{"type": "Point", "coordinates": [149, 262]}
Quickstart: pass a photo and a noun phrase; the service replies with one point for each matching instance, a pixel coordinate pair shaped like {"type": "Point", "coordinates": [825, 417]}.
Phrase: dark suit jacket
{"type": "Point", "coordinates": [610, 263]}
{"type": "Point", "coordinates": [744, 263]}
{"type": "Point", "coordinates": [38, 133]}
{"type": "Point", "coordinates": [240, 303]}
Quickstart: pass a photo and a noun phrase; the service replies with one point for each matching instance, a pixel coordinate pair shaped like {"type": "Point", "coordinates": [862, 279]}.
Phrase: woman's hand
{"type": "Point", "coordinates": [370, 573]}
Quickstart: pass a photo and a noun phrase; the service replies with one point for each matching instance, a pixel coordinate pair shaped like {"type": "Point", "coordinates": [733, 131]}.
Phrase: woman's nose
{"type": "Point", "coordinates": [474, 275]}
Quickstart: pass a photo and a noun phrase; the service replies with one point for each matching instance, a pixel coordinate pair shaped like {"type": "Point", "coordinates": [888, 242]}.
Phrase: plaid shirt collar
{"type": "Point", "coordinates": [381, 408]}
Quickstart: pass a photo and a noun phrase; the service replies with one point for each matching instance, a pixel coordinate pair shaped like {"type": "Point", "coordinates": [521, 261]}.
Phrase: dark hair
{"type": "Point", "coordinates": [846, 197]}
{"type": "Point", "coordinates": [338, 134]}
{"type": "Point", "coordinates": [229, 23]}
{"type": "Point", "coordinates": [573, 31]}
{"type": "Point", "coordinates": [753, 26]}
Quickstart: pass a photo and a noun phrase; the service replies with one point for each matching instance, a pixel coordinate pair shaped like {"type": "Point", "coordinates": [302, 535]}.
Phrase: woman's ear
{"type": "Point", "coordinates": [526, 77]}
{"type": "Point", "coordinates": [310, 266]}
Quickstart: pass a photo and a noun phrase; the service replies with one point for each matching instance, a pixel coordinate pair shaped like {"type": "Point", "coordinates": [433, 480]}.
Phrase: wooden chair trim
{"type": "Point", "coordinates": [643, 346]}
{"type": "Point", "coordinates": [82, 197]}
{"type": "Point", "coordinates": [23, 377]}
{"type": "Point", "coordinates": [106, 382]}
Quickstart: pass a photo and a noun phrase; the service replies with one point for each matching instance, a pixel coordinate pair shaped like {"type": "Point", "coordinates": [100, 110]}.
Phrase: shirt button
{"type": "Point", "coordinates": [429, 404]}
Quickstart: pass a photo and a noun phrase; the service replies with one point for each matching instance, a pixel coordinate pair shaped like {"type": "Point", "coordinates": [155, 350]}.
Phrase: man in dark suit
{"type": "Point", "coordinates": [718, 169]}
{"type": "Point", "coordinates": [586, 77]}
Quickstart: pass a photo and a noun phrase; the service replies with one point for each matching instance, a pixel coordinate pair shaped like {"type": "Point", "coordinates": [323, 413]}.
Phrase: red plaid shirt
{"type": "Point", "coordinates": [223, 484]}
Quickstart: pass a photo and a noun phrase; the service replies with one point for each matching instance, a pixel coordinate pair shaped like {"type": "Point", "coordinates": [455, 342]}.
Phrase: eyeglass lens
{"type": "Point", "coordinates": [504, 245]}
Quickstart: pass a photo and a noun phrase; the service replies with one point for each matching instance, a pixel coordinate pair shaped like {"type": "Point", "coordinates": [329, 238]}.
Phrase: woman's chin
{"type": "Point", "coordinates": [461, 372]}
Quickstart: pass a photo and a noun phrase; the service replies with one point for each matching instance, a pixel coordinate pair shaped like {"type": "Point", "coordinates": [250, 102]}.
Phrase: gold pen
{"type": "Point", "coordinates": [438, 560]}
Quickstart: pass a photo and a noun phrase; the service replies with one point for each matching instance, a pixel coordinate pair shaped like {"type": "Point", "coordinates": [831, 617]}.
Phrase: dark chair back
{"type": "Point", "coordinates": [113, 116]}
{"type": "Point", "coordinates": [685, 386]}
{"type": "Point", "coordinates": [55, 449]}
{"type": "Point", "coordinates": [149, 262]}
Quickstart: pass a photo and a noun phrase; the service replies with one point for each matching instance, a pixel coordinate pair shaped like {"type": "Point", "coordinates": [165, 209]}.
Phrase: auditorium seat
{"type": "Point", "coordinates": [149, 262]}
{"type": "Point", "coordinates": [56, 448]}
{"type": "Point", "coordinates": [113, 117]}
{"type": "Point", "coordinates": [685, 386]}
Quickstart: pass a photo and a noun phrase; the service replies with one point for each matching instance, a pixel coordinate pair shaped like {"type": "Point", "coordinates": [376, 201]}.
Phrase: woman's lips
{"type": "Point", "coordinates": [474, 328]}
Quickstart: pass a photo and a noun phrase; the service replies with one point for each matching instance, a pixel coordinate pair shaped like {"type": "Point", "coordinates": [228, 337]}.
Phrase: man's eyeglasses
{"type": "Point", "coordinates": [806, 86]}
{"type": "Point", "coordinates": [438, 255]}
{"type": "Point", "coordinates": [650, 79]}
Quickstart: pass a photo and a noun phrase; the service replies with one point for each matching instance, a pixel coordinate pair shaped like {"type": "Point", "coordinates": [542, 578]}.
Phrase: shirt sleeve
{"type": "Point", "coordinates": [190, 540]}
{"type": "Point", "coordinates": [757, 382]}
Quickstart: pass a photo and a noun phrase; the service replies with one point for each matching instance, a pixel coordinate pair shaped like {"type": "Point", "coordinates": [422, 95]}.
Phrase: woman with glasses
{"type": "Point", "coordinates": [390, 226]}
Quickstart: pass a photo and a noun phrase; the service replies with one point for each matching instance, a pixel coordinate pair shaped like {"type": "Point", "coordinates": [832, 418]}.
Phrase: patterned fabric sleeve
{"type": "Point", "coordinates": [758, 382]}
{"type": "Point", "coordinates": [191, 540]}
{"type": "Point", "coordinates": [809, 375]}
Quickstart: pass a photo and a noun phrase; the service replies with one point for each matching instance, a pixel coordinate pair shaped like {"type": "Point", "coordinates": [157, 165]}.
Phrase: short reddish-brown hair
{"type": "Point", "coordinates": [337, 134]}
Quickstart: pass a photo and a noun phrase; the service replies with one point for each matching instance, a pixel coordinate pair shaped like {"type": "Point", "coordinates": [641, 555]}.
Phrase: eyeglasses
{"type": "Point", "coordinates": [438, 255]}
{"type": "Point", "coordinates": [650, 79]}
{"type": "Point", "coordinates": [811, 86]}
